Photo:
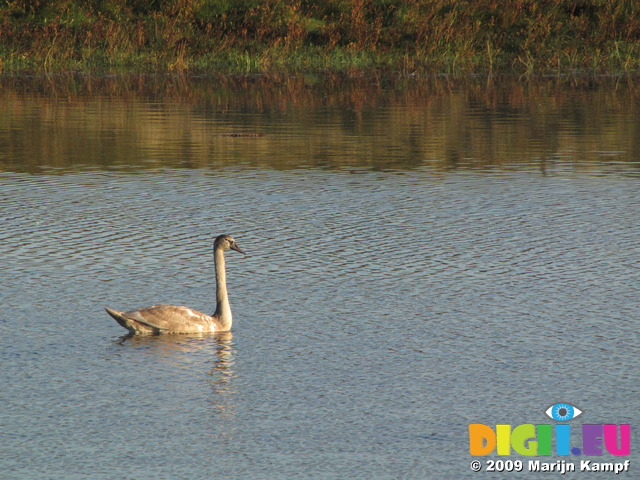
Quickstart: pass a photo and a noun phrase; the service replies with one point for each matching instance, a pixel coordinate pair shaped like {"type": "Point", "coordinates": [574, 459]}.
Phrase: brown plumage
{"type": "Point", "coordinates": [174, 319]}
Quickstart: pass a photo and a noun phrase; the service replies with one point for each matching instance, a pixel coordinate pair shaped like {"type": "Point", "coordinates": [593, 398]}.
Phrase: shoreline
{"type": "Point", "coordinates": [390, 37]}
{"type": "Point", "coordinates": [360, 63]}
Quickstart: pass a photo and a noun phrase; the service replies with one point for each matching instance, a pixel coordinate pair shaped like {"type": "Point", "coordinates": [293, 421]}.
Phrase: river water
{"type": "Point", "coordinates": [421, 256]}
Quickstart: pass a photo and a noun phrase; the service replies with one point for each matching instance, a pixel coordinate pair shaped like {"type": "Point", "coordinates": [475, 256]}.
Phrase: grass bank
{"type": "Point", "coordinates": [252, 36]}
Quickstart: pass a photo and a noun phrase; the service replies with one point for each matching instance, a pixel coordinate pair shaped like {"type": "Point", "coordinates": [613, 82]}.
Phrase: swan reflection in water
{"type": "Point", "coordinates": [187, 353]}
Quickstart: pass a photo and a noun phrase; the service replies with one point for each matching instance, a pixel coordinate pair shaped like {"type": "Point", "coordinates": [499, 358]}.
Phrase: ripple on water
{"type": "Point", "coordinates": [370, 309]}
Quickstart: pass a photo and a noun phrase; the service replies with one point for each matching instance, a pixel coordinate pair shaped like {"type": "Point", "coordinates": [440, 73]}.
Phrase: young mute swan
{"type": "Point", "coordinates": [173, 319]}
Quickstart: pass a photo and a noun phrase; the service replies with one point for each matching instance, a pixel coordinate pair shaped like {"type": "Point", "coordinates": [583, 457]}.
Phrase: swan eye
{"type": "Point", "coordinates": [562, 412]}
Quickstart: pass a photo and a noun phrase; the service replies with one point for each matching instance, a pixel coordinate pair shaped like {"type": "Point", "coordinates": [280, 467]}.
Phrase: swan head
{"type": "Point", "coordinates": [227, 242]}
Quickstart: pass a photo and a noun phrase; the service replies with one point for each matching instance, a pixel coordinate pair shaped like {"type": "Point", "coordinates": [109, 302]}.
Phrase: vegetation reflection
{"type": "Point", "coordinates": [284, 122]}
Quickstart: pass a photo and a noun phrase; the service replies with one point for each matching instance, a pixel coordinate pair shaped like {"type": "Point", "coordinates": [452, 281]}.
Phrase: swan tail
{"type": "Point", "coordinates": [134, 326]}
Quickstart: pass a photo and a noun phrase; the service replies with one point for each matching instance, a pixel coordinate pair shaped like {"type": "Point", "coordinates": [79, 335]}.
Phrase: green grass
{"type": "Point", "coordinates": [250, 36]}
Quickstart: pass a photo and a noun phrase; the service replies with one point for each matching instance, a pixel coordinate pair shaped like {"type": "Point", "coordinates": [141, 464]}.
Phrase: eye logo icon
{"type": "Point", "coordinates": [562, 412]}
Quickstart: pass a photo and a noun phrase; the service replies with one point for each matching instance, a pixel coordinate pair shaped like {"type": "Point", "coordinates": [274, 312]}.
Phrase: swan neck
{"type": "Point", "coordinates": [223, 309]}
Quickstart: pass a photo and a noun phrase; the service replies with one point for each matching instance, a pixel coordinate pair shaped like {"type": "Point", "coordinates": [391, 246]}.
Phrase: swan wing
{"type": "Point", "coordinates": [165, 319]}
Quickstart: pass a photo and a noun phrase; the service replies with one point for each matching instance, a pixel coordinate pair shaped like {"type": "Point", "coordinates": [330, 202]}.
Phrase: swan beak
{"type": "Point", "coordinates": [234, 246]}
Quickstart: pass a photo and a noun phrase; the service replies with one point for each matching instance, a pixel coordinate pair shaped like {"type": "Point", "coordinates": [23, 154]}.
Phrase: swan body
{"type": "Point", "coordinates": [160, 319]}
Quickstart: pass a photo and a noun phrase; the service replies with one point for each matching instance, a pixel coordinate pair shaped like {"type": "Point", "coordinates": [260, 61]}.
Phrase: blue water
{"type": "Point", "coordinates": [377, 314]}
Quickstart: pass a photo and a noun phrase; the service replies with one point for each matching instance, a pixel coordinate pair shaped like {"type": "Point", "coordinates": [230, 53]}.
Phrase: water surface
{"type": "Point", "coordinates": [420, 257]}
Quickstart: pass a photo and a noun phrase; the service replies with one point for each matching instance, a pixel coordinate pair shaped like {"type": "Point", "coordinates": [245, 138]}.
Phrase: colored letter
{"type": "Point", "coordinates": [482, 439]}
{"type": "Point", "coordinates": [544, 440]}
{"type": "Point", "coordinates": [503, 432]}
{"type": "Point", "coordinates": [523, 440]}
{"type": "Point", "coordinates": [611, 439]}
{"type": "Point", "coordinates": [592, 439]}
{"type": "Point", "coordinates": [563, 435]}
